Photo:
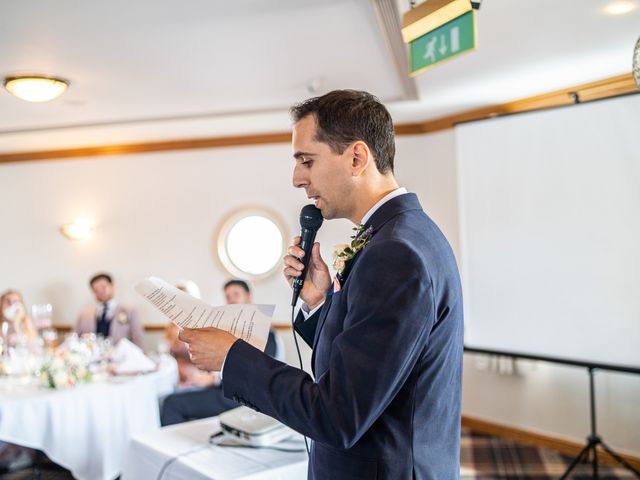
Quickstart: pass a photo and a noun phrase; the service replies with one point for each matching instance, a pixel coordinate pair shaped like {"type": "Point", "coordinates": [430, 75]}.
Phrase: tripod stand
{"type": "Point", "coordinates": [593, 440]}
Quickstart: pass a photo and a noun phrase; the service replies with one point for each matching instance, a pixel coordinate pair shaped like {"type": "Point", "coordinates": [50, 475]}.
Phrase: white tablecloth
{"type": "Point", "coordinates": [85, 429]}
{"type": "Point", "coordinates": [183, 452]}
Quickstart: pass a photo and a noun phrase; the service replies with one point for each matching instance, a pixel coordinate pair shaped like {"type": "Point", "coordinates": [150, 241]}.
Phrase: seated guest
{"type": "Point", "coordinates": [189, 374]}
{"type": "Point", "coordinates": [209, 401]}
{"type": "Point", "coordinates": [16, 327]}
{"type": "Point", "coordinates": [15, 457]}
{"type": "Point", "coordinates": [15, 324]}
{"type": "Point", "coordinates": [109, 318]}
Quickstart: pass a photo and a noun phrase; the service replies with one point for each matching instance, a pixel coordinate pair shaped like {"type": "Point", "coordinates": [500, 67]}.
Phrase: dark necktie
{"type": "Point", "coordinates": [102, 327]}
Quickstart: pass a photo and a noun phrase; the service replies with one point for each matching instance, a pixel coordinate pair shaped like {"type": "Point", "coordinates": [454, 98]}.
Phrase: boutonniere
{"type": "Point", "coordinates": [123, 318]}
{"type": "Point", "coordinates": [343, 254]}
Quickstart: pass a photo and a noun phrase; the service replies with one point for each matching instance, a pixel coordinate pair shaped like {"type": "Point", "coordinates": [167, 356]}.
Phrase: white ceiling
{"type": "Point", "coordinates": [163, 69]}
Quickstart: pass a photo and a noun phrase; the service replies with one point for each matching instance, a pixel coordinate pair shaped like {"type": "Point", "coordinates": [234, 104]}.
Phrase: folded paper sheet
{"type": "Point", "coordinates": [247, 322]}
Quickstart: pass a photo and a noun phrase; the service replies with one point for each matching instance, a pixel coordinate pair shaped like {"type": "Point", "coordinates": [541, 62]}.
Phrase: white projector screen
{"type": "Point", "coordinates": [550, 231]}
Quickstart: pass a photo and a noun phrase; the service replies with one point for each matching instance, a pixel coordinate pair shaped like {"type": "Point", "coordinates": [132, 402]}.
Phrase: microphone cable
{"type": "Point", "coordinates": [295, 339]}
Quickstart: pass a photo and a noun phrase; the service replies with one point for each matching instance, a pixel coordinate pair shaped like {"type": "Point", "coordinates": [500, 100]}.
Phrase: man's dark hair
{"type": "Point", "coordinates": [346, 116]}
{"type": "Point", "coordinates": [239, 283]}
{"type": "Point", "coordinates": [100, 276]}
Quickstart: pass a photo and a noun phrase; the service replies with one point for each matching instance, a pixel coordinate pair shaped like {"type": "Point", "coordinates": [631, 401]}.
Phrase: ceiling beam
{"type": "Point", "coordinates": [388, 18]}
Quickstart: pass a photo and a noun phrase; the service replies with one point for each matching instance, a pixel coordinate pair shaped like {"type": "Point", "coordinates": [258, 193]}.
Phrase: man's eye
{"type": "Point", "coordinates": [306, 161]}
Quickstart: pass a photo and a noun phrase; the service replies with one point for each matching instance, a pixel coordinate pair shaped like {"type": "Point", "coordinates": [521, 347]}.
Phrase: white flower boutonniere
{"type": "Point", "coordinates": [343, 254]}
{"type": "Point", "coordinates": [123, 318]}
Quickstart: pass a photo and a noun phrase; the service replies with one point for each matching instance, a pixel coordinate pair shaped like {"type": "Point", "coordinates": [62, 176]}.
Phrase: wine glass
{"type": "Point", "coordinates": [42, 315]}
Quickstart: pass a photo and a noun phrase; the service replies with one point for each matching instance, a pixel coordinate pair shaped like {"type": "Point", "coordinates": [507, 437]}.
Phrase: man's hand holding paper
{"type": "Point", "coordinates": [210, 331]}
{"type": "Point", "coordinates": [208, 347]}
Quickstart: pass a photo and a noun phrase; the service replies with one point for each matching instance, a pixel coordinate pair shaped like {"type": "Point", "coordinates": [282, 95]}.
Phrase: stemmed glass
{"type": "Point", "coordinates": [42, 315]}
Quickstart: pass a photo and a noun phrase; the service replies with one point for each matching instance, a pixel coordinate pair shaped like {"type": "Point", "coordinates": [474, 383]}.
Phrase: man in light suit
{"type": "Point", "coordinates": [109, 318]}
{"type": "Point", "coordinates": [386, 334]}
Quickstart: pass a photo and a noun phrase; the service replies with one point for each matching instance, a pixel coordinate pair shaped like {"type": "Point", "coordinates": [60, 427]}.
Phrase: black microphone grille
{"type": "Point", "coordinates": [310, 217]}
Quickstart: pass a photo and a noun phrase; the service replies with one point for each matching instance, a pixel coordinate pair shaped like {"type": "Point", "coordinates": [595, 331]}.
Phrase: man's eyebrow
{"type": "Point", "coordinates": [299, 154]}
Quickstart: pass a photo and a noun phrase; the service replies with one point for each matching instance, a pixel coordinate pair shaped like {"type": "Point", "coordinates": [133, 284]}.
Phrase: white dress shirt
{"type": "Point", "coordinates": [111, 308]}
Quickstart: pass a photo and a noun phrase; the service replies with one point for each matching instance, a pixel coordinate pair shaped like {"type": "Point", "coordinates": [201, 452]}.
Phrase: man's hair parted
{"type": "Point", "coordinates": [346, 116]}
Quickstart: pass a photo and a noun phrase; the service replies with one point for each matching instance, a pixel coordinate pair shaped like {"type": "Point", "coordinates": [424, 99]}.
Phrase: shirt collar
{"type": "Point", "coordinates": [111, 305]}
{"type": "Point", "coordinates": [395, 193]}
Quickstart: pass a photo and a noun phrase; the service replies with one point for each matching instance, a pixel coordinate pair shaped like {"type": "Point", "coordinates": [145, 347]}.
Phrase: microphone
{"type": "Point", "coordinates": [310, 221]}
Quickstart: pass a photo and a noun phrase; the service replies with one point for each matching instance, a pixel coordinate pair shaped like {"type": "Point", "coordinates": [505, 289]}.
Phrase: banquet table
{"type": "Point", "coordinates": [87, 428]}
{"type": "Point", "coordinates": [183, 451]}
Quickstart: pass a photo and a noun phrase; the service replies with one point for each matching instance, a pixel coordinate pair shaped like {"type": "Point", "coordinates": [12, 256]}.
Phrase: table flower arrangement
{"type": "Point", "coordinates": [65, 368]}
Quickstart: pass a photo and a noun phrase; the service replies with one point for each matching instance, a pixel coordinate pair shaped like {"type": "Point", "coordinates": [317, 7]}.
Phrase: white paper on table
{"type": "Point", "coordinates": [248, 322]}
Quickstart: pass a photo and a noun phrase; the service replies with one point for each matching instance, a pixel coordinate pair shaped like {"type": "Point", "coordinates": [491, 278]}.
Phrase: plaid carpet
{"type": "Point", "coordinates": [483, 457]}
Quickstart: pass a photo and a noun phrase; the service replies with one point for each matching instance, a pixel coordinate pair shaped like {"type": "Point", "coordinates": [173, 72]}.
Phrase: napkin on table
{"type": "Point", "coordinates": [130, 359]}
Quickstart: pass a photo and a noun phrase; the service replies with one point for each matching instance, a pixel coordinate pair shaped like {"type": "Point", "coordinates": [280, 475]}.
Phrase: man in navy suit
{"type": "Point", "coordinates": [386, 333]}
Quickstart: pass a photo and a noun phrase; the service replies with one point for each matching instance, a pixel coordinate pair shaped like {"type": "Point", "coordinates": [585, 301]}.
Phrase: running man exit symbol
{"type": "Point", "coordinates": [447, 41]}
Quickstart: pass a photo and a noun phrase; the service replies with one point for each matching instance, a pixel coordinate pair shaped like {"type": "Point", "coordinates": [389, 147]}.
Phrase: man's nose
{"type": "Point", "coordinates": [299, 179]}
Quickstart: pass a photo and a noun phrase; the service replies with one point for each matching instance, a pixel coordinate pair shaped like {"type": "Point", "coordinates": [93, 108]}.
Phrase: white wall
{"type": "Point", "coordinates": [157, 214]}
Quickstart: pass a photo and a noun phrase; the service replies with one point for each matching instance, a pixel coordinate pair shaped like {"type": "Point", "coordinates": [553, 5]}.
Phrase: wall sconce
{"type": "Point", "coordinates": [79, 230]}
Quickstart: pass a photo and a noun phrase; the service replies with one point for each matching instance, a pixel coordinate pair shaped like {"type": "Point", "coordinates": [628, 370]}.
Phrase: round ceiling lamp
{"type": "Point", "coordinates": [621, 7]}
{"type": "Point", "coordinates": [35, 88]}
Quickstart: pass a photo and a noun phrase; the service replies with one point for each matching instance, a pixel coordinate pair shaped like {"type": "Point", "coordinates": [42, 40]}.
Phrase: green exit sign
{"type": "Point", "coordinates": [449, 40]}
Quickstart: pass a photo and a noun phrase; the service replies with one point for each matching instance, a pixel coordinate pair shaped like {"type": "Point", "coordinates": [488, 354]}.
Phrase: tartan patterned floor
{"type": "Point", "coordinates": [483, 457]}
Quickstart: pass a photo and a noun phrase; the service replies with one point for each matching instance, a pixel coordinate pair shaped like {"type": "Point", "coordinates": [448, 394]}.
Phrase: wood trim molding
{"type": "Point", "coordinates": [527, 437]}
{"type": "Point", "coordinates": [279, 327]}
{"type": "Point", "coordinates": [607, 88]}
{"type": "Point", "coordinates": [148, 147]}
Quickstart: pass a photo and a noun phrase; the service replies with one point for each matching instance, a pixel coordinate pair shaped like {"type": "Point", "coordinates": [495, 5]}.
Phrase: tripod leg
{"type": "Point", "coordinates": [594, 462]}
{"type": "Point", "coordinates": [619, 459]}
{"type": "Point", "coordinates": [583, 453]}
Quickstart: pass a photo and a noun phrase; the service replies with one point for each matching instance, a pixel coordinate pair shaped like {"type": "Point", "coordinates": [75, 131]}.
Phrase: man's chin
{"type": "Point", "coordinates": [327, 213]}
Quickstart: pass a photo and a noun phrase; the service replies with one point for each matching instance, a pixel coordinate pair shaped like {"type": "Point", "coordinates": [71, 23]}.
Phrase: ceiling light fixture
{"type": "Point", "coordinates": [619, 8]}
{"type": "Point", "coordinates": [35, 88]}
{"type": "Point", "coordinates": [81, 229]}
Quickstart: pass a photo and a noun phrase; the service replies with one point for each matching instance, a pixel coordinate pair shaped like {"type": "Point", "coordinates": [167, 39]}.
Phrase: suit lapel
{"type": "Point", "coordinates": [388, 210]}
{"type": "Point", "coordinates": [322, 317]}
{"type": "Point", "coordinates": [112, 324]}
{"type": "Point", "coordinates": [91, 319]}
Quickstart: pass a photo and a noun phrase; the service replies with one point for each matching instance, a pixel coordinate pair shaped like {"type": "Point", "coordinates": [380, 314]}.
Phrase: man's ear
{"type": "Point", "coordinates": [361, 158]}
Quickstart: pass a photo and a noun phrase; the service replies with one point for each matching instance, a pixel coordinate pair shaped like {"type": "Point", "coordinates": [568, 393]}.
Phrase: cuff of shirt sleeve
{"type": "Point", "coordinates": [306, 313]}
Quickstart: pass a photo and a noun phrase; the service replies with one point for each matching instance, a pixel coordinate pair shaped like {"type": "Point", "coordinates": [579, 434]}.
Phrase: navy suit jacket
{"type": "Point", "coordinates": [387, 360]}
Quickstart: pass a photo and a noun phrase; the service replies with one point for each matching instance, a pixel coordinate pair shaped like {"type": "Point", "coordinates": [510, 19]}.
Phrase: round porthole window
{"type": "Point", "coordinates": [251, 243]}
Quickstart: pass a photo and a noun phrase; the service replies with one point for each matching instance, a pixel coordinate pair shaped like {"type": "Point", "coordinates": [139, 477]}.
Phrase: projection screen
{"type": "Point", "coordinates": [550, 231]}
